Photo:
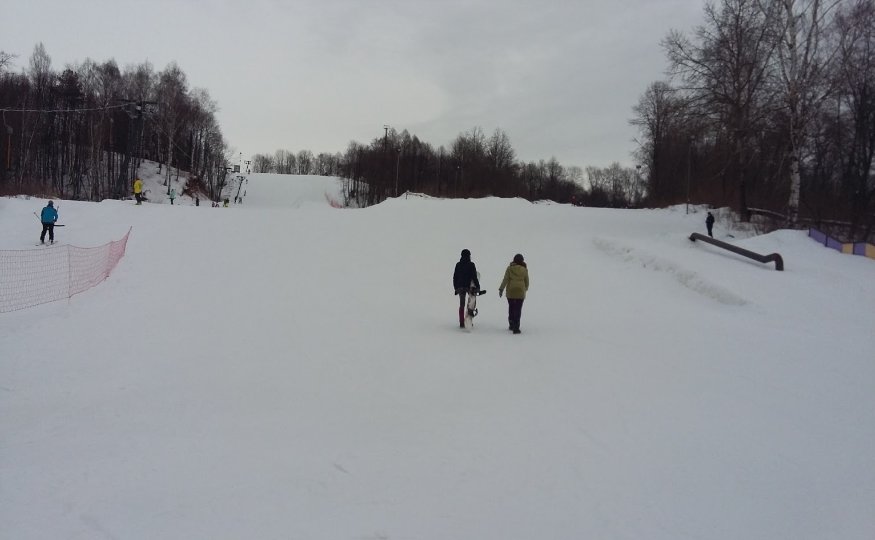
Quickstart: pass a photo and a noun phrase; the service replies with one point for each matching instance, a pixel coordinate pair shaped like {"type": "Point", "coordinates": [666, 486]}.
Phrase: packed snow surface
{"type": "Point", "coordinates": [282, 369]}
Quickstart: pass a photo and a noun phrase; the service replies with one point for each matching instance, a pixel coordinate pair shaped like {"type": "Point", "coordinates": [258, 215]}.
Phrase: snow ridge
{"type": "Point", "coordinates": [688, 278]}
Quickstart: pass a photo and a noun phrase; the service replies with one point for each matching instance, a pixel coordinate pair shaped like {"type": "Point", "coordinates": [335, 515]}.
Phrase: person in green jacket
{"type": "Point", "coordinates": [516, 281]}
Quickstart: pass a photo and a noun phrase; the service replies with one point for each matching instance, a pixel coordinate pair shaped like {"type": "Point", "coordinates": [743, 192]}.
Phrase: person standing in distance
{"type": "Point", "coordinates": [516, 281]}
{"type": "Point", "coordinates": [48, 216]}
{"type": "Point", "coordinates": [464, 274]}
{"type": "Point", "coordinates": [709, 223]}
{"type": "Point", "coordinates": [138, 190]}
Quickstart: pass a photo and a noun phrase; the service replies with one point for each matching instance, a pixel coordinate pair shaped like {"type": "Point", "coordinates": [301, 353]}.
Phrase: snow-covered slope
{"type": "Point", "coordinates": [297, 372]}
{"type": "Point", "coordinates": [155, 190]}
{"type": "Point", "coordinates": [290, 191]}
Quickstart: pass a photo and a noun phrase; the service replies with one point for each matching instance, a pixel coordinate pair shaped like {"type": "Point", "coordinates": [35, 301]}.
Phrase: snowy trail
{"type": "Point", "coordinates": [297, 372]}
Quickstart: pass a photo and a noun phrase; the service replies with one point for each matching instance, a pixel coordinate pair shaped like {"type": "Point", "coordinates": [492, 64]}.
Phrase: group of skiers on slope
{"type": "Point", "coordinates": [138, 192]}
{"type": "Point", "coordinates": [515, 283]}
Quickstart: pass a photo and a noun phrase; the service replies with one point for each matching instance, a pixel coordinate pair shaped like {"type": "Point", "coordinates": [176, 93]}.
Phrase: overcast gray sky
{"type": "Point", "coordinates": [559, 77]}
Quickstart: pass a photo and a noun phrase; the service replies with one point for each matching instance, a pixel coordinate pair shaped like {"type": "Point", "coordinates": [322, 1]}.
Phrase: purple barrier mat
{"type": "Point", "coordinates": [817, 235]}
{"type": "Point", "coordinates": [834, 244]}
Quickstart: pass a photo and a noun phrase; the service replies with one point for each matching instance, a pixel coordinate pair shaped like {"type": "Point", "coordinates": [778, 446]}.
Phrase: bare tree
{"type": "Point", "coordinates": [803, 60]}
{"type": "Point", "coordinates": [500, 156]}
{"type": "Point", "coordinates": [468, 151]}
{"type": "Point", "coordinates": [326, 164]}
{"type": "Point", "coordinates": [659, 115]}
{"type": "Point", "coordinates": [725, 70]}
{"type": "Point", "coordinates": [305, 162]}
{"type": "Point", "coordinates": [34, 159]}
{"type": "Point", "coordinates": [5, 60]}
{"type": "Point", "coordinates": [856, 28]}
{"type": "Point", "coordinates": [171, 93]}
{"type": "Point", "coordinates": [262, 163]}
{"type": "Point", "coordinates": [139, 81]}
{"type": "Point", "coordinates": [283, 162]}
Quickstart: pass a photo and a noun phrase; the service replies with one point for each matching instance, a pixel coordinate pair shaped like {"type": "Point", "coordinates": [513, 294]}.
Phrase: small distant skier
{"type": "Point", "coordinates": [197, 200]}
{"type": "Point", "coordinates": [464, 274]}
{"type": "Point", "coordinates": [172, 195]}
{"type": "Point", "coordinates": [48, 217]}
{"type": "Point", "coordinates": [516, 281]}
{"type": "Point", "coordinates": [709, 222]}
{"type": "Point", "coordinates": [138, 190]}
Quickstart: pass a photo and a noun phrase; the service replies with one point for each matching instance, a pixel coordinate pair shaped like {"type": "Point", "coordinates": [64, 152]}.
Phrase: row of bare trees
{"type": "Point", "coordinates": [473, 165]}
{"type": "Point", "coordinates": [83, 132]}
{"type": "Point", "coordinates": [770, 105]}
{"type": "Point", "coordinates": [304, 162]}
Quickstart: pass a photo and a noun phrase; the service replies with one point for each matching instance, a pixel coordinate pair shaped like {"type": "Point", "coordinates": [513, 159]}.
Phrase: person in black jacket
{"type": "Point", "coordinates": [463, 276]}
{"type": "Point", "coordinates": [709, 223]}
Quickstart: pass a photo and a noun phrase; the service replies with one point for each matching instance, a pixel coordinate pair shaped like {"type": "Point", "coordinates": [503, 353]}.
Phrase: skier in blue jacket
{"type": "Point", "coordinates": [48, 216]}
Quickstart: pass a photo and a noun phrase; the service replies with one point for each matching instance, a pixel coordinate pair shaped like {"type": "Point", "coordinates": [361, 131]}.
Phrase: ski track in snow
{"type": "Point", "coordinates": [688, 278]}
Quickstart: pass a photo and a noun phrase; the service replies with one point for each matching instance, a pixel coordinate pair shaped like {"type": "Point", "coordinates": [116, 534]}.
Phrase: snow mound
{"type": "Point", "coordinates": [688, 278]}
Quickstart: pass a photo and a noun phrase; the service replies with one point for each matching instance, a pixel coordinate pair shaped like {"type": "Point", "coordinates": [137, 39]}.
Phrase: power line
{"type": "Point", "coordinates": [65, 110]}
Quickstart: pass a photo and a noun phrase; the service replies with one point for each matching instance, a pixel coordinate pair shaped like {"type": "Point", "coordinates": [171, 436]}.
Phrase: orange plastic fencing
{"type": "Point", "coordinates": [37, 276]}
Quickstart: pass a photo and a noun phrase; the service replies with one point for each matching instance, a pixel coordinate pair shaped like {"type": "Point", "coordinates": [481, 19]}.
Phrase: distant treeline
{"type": "Point", "coordinates": [82, 133]}
{"type": "Point", "coordinates": [771, 105]}
{"type": "Point", "coordinates": [473, 165]}
{"type": "Point", "coordinates": [770, 109]}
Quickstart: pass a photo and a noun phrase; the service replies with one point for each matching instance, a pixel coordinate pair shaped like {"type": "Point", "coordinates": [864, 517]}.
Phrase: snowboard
{"type": "Point", "coordinates": [471, 305]}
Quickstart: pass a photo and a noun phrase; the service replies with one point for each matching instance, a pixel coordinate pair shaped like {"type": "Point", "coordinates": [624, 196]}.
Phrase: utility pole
{"type": "Point", "coordinates": [8, 148]}
{"type": "Point", "coordinates": [397, 166]}
{"type": "Point", "coordinates": [638, 188]}
{"type": "Point", "coordinates": [689, 159]}
{"type": "Point", "coordinates": [386, 154]}
{"type": "Point", "coordinates": [7, 168]}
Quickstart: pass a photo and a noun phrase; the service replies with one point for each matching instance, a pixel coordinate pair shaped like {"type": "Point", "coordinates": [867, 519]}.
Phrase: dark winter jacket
{"type": "Point", "coordinates": [49, 215]}
{"type": "Point", "coordinates": [709, 221]}
{"type": "Point", "coordinates": [464, 274]}
{"type": "Point", "coordinates": [516, 281]}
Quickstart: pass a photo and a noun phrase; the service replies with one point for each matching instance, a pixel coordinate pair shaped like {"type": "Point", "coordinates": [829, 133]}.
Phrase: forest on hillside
{"type": "Point", "coordinates": [81, 133]}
